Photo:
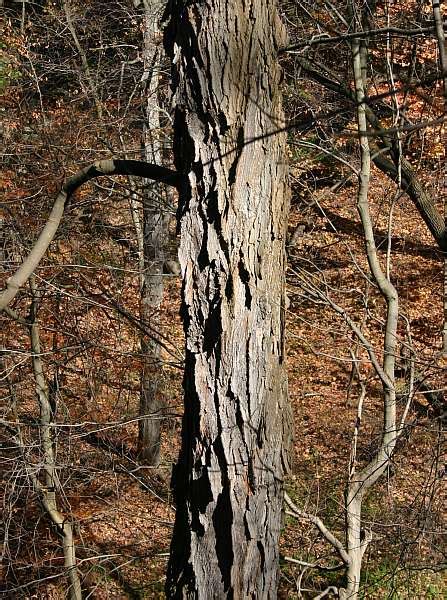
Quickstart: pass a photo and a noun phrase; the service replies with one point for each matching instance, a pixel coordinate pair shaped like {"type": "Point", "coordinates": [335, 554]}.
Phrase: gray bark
{"type": "Point", "coordinates": [360, 482]}
{"type": "Point", "coordinates": [47, 490]}
{"type": "Point", "coordinates": [154, 238]}
{"type": "Point", "coordinates": [229, 143]}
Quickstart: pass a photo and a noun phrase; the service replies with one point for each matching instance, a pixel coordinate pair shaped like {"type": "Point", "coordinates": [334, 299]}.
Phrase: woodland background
{"type": "Point", "coordinates": [71, 76]}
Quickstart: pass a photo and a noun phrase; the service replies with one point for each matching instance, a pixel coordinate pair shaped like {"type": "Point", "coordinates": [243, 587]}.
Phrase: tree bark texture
{"type": "Point", "coordinates": [229, 142]}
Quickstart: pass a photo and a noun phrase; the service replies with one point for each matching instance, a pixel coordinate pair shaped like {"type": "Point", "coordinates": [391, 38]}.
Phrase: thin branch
{"type": "Point", "coordinates": [330, 537]}
{"type": "Point", "coordinates": [329, 590]}
{"type": "Point", "coordinates": [97, 169]}
{"type": "Point", "coordinates": [327, 39]}
{"type": "Point", "coordinates": [309, 565]}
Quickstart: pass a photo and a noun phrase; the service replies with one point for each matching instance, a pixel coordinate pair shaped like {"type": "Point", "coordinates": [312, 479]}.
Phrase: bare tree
{"type": "Point", "coordinates": [155, 224]}
{"type": "Point", "coordinates": [384, 147]}
{"type": "Point", "coordinates": [389, 148]}
{"type": "Point", "coordinates": [46, 485]}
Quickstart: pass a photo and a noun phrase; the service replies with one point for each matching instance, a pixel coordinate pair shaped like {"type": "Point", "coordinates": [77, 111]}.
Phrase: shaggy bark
{"type": "Point", "coordinates": [232, 217]}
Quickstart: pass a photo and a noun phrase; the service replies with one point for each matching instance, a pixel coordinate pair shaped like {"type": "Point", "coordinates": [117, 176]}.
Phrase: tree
{"type": "Point", "coordinates": [390, 153]}
{"type": "Point", "coordinates": [229, 144]}
{"type": "Point", "coordinates": [151, 226]}
{"type": "Point", "coordinates": [384, 144]}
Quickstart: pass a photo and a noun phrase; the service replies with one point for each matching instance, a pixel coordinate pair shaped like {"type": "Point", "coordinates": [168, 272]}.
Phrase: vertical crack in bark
{"type": "Point", "coordinates": [244, 276]}
{"type": "Point", "coordinates": [240, 143]}
{"type": "Point", "coordinates": [223, 520]}
{"type": "Point", "coordinates": [213, 330]}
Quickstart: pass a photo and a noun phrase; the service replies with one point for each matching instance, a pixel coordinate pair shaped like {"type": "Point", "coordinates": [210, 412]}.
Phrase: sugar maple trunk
{"type": "Point", "coordinates": [232, 215]}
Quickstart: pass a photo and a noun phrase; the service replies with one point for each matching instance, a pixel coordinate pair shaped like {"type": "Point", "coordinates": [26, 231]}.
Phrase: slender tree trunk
{"type": "Point", "coordinates": [441, 25]}
{"type": "Point", "coordinates": [91, 88]}
{"type": "Point", "coordinates": [47, 490]}
{"type": "Point", "coordinates": [154, 234]}
{"type": "Point", "coordinates": [229, 142]}
{"type": "Point", "coordinates": [357, 539]}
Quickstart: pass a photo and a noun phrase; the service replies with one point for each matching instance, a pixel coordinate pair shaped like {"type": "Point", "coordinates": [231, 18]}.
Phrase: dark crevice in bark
{"type": "Point", "coordinates": [238, 152]}
{"type": "Point", "coordinates": [222, 521]}
{"type": "Point", "coordinates": [245, 278]}
{"type": "Point", "coordinates": [251, 475]}
{"type": "Point", "coordinates": [261, 554]}
{"type": "Point", "coordinates": [260, 433]}
{"type": "Point", "coordinates": [223, 123]}
{"type": "Point", "coordinates": [238, 414]}
{"type": "Point", "coordinates": [246, 524]}
{"type": "Point", "coordinates": [229, 288]}
{"type": "Point", "coordinates": [203, 258]}
{"type": "Point", "coordinates": [212, 211]}
{"type": "Point", "coordinates": [213, 331]}
{"type": "Point", "coordinates": [183, 143]}
{"type": "Point", "coordinates": [247, 372]}
{"type": "Point", "coordinates": [223, 518]}
{"type": "Point", "coordinates": [201, 495]}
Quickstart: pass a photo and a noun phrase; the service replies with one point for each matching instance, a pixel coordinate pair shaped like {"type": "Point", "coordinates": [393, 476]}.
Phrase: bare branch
{"type": "Point", "coordinates": [97, 169]}
{"type": "Point", "coordinates": [330, 537]}
{"type": "Point", "coordinates": [315, 565]}
{"type": "Point", "coordinates": [327, 39]}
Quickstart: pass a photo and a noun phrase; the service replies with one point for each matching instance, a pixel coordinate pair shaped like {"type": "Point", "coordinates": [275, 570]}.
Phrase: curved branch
{"type": "Point", "coordinates": [328, 535]}
{"type": "Point", "coordinates": [99, 168]}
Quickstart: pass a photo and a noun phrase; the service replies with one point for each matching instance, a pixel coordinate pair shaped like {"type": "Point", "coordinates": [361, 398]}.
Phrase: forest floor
{"type": "Point", "coordinates": [123, 509]}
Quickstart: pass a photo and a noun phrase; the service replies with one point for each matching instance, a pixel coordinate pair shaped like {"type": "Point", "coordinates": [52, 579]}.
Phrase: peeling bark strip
{"type": "Point", "coordinates": [232, 219]}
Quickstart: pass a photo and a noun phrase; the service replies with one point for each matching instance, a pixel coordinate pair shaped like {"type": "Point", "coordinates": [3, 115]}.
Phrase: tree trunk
{"type": "Point", "coordinates": [440, 25]}
{"type": "Point", "coordinates": [154, 234]}
{"type": "Point", "coordinates": [229, 141]}
{"type": "Point", "coordinates": [47, 490]}
{"type": "Point", "coordinates": [422, 199]}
